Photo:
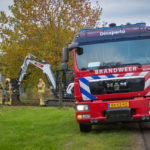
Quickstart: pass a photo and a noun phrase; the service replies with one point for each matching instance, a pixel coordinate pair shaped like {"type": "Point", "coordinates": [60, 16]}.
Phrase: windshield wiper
{"type": "Point", "coordinates": [84, 68]}
{"type": "Point", "coordinates": [110, 65]}
{"type": "Point", "coordinates": [113, 65]}
{"type": "Point", "coordinates": [89, 68]}
{"type": "Point", "coordinates": [133, 64]}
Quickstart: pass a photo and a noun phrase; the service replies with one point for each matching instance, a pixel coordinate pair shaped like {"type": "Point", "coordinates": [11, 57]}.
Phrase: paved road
{"type": "Point", "coordinates": [145, 131]}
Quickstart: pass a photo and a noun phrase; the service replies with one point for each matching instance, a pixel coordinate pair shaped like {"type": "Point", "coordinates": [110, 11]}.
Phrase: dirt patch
{"type": "Point", "coordinates": [18, 103]}
{"type": "Point", "coordinates": [68, 144]}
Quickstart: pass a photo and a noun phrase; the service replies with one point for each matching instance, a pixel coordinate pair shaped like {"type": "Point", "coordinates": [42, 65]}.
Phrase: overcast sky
{"type": "Point", "coordinates": [118, 11]}
{"type": "Point", "coordinates": [123, 11]}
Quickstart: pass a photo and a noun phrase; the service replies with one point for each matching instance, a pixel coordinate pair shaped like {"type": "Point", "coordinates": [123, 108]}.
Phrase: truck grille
{"type": "Point", "coordinates": [119, 114]}
{"type": "Point", "coordinates": [117, 85]}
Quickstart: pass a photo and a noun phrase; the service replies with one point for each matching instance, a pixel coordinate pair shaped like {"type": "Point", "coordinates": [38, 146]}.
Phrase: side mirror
{"type": "Point", "coordinates": [65, 54]}
{"type": "Point", "coordinates": [79, 50]}
{"type": "Point", "coordinates": [64, 66]}
{"type": "Point", "coordinates": [73, 45]}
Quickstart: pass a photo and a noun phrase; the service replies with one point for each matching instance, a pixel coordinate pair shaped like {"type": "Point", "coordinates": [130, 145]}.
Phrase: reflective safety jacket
{"type": "Point", "coordinates": [41, 87]}
{"type": "Point", "coordinates": [8, 87]}
{"type": "Point", "coordinates": [1, 86]}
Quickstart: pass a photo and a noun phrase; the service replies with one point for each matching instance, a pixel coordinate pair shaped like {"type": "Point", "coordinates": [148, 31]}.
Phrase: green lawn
{"type": "Point", "coordinates": [37, 128]}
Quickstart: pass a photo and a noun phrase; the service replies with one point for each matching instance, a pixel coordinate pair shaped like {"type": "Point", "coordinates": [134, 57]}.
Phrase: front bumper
{"type": "Point", "coordinates": [100, 112]}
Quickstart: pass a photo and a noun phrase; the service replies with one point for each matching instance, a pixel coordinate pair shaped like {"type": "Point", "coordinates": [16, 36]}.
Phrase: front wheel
{"type": "Point", "coordinates": [85, 127]}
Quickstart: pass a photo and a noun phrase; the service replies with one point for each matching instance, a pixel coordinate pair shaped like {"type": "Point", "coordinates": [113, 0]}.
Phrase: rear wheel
{"type": "Point", "coordinates": [85, 127]}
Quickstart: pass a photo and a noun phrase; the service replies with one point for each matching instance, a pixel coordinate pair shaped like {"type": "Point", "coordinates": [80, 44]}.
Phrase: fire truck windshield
{"type": "Point", "coordinates": [114, 54]}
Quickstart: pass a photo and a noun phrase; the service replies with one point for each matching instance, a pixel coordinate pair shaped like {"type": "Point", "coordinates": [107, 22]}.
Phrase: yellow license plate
{"type": "Point", "coordinates": [116, 105]}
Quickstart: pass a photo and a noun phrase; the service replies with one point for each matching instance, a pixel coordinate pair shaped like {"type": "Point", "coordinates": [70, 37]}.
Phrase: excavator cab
{"type": "Point", "coordinates": [65, 77]}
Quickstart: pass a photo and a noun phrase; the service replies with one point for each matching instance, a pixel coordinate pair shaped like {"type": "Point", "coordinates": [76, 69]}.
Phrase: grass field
{"type": "Point", "coordinates": [36, 128]}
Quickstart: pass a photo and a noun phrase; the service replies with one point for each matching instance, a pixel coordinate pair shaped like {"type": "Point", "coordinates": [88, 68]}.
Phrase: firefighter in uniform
{"type": "Point", "coordinates": [1, 93]}
{"type": "Point", "coordinates": [8, 99]}
{"type": "Point", "coordinates": [41, 91]}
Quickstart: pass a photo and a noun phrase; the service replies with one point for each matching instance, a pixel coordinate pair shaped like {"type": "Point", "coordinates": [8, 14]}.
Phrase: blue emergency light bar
{"type": "Point", "coordinates": [115, 27]}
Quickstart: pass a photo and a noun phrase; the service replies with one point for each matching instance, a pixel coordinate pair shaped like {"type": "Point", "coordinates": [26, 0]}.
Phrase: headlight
{"type": "Point", "coordinates": [84, 107]}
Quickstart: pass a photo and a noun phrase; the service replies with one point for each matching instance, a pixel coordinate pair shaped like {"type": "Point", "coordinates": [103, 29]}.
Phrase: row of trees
{"type": "Point", "coordinates": [42, 27]}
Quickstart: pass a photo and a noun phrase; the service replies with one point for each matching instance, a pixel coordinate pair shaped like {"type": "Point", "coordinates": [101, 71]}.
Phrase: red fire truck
{"type": "Point", "coordinates": [112, 74]}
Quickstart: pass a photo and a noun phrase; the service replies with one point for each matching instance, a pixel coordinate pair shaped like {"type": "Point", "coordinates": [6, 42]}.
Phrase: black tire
{"type": "Point", "coordinates": [85, 127]}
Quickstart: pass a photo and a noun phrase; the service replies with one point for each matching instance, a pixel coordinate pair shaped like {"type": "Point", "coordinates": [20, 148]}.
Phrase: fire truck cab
{"type": "Point", "coordinates": [112, 74]}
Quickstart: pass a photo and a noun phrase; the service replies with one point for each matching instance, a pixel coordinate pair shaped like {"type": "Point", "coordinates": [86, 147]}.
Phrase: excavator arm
{"type": "Point", "coordinates": [41, 64]}
{"type": "Point", "coordinates": [46, 68]}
